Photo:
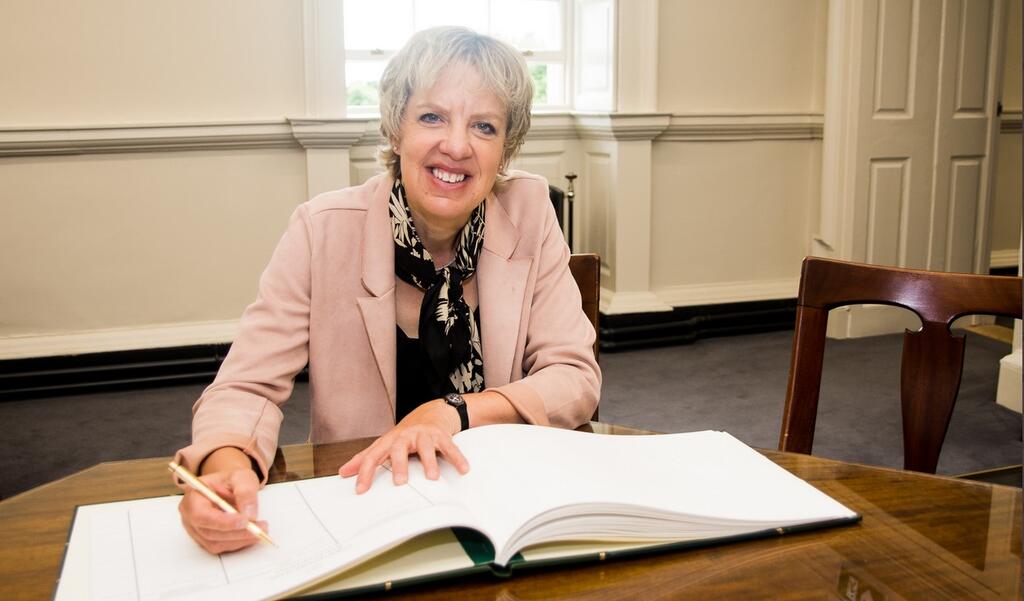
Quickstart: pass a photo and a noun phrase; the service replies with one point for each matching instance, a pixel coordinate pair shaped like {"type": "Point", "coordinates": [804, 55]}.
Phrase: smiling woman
{"type": "Point", "coordinates": [433, 298]}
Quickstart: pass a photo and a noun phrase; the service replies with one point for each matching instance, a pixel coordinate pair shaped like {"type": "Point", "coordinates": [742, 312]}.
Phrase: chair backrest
{"type": "Point", "coordinates": [933, 357]}
{"type": "Point", "coordinates": [557, 196]}
{"type": "Point", "coordinates": [586, 270]}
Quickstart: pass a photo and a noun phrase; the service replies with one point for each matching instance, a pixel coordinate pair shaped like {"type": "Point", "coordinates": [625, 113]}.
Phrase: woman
{"type": "Point", "coordinates": [432, 298]}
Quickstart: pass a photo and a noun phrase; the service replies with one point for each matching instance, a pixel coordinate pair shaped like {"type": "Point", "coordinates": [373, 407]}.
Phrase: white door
{"type": "Point", "coordinates": [910, 131]}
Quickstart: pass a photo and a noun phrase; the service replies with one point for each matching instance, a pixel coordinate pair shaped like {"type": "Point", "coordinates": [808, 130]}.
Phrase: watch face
{"type": "Point", "coordinates": [454, 399]}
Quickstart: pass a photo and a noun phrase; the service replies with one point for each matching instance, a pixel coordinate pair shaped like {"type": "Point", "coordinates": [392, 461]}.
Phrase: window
{"type": "Point", "coordinates": [376, 29]}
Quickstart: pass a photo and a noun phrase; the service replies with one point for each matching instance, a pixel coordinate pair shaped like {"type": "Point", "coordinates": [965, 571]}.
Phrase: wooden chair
{"type": "Point", "coordinates": [932, 357]}
{"type": "Point", "coordinates": [586, 269]}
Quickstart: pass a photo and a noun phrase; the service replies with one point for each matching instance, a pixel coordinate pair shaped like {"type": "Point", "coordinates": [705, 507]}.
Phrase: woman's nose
{"type": "Point", "coordinates": [456, 143]}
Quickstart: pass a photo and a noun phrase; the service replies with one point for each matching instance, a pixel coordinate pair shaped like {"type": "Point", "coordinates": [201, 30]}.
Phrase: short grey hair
{"type": "Point", "coordinates": [419, 63]}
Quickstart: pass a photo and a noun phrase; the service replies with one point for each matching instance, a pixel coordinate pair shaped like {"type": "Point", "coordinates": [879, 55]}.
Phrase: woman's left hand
{"type": "Point", "coordinates": [425, 432]}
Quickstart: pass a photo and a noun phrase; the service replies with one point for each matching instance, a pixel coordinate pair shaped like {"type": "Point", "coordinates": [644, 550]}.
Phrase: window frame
{"type": "Point", "coordinates": [565, 57]}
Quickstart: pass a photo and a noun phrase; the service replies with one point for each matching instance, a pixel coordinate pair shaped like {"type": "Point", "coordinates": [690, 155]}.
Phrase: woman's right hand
{"type": "Point", "coordinates": [215, 530]}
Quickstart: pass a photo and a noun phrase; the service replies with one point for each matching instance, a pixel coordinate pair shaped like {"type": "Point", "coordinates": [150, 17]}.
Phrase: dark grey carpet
{"type": "Point", "coordinates": [739, 385]}
{"type": "Point", "coordinates": [734, 384]}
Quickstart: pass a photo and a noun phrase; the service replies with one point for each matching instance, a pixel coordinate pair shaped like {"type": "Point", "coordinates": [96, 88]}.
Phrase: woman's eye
{"type": "Point", "coordinates": [429, 118]}
{"type": "Point", "coordinates": [486, 128]}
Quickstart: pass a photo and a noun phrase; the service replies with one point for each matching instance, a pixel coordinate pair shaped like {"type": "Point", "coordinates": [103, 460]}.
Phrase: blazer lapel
{"type": "Point", "coordinates": [378, 277]}
{"type": "Point", "coordinates": [501, 289]}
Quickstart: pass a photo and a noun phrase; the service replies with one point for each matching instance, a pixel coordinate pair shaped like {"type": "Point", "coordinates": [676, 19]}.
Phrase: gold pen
{"type": "Point", "coordinates": [190, 479]}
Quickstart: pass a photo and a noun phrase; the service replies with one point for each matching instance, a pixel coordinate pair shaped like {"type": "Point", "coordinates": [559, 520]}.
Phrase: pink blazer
{"type": "Point", "coordinates": [328, 297]}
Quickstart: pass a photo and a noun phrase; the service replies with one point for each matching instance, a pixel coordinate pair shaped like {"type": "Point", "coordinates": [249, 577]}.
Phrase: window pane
{"type": "Point", "coordinates": [384, 24]}
{"type": "Point", "coordinates": [528, 24]}
{"type": "Point", "coordinates": [362, 79]}
{"type": "Point", "coordinates": [468, 13]}
{"type": "Point", "coordinates": [548, 83]}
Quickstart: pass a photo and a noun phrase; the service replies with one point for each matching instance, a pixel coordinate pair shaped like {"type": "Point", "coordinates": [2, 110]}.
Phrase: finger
{"type": "Point", "coordinates": [367, 470]}
{"type": "Point", "coordinates": [216, 546]}
{"type": "Point", "coordinates": [245, 485]}
{"type": "Point", "coordinates": [400, 462]}
{"type": "Point", "coordinates": [427, 451]}
{"type": "Point", "coordinates": [220, 484]}
{"type": "Point", "coordinates": [202, 513]}
{"type": "Point", "coordinates": [351, 467]}
{"type": "Point", "coordinates": [230, 536]}
{"type": "Point", "coordinates": [225, 537]}
{"type": "Point", "coordinates": [453, 455]}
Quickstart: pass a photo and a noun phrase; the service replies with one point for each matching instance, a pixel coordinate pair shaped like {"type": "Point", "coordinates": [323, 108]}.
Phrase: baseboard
{"type": "Point", "coordinates": [729, 292]}
{"type": "Point", "coordinates": [102, 372]}
{"type": "Point", "coordinates": [1004, 259]}
{"type": "Point", "coordinates": [115, 359]}
{"type": "Point", "coordinates": [684, 325]}
{"type": "Point", "coordinates": [1008, 390]}
{"type": "Point", "coordinates": [33, 377]}
{"type": "Point", "coordinates": [120, 339]}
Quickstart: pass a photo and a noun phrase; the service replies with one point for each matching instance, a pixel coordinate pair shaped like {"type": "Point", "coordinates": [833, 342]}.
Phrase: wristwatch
{"type": "Point", "coordinates": [455, 400]}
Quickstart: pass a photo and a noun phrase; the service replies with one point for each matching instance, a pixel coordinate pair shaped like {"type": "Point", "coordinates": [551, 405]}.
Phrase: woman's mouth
{"type": "Point", "coordinates": [447, 176]}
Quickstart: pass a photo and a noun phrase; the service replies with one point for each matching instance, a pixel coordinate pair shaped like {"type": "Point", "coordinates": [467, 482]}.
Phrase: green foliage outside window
{"type": "Point", "coordinates": [539, 73]}
{"type": "Point", "coordinates": [363, 94]}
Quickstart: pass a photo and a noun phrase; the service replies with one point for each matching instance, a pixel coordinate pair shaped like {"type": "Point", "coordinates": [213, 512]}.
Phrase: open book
{"type": "Point", "coordinates": [533, 495]}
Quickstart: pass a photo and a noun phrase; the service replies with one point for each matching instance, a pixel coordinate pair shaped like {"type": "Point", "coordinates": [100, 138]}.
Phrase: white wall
{"type": "Point", "coordinates": [741, 56]}
{"type": "Point", "coordinates": [124, 61]}
{"type": "Point", "coordinates": [121, 240]}
{"type": "Point", "coordinates": [732, 217]}
{"type": "Point", "coordinates": [135, 249]}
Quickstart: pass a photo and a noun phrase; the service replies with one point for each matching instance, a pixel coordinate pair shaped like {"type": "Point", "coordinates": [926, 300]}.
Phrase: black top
{"type": "Point", "coordinates": [414, 381]}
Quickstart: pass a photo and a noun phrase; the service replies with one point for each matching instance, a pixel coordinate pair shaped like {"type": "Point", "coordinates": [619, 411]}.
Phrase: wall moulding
{"type": "Point", "coordinates": [621, 126]}
{"type": "Point", "coordinates": [93, 139]}
{"type": "Point", "coordinates": [329, 133]}
{"type": "Point", "coordinates": [728, 292]}
{"type": "Point", "coordinates": [715, 128]}
{"type": "Point", "coordinates": [304, 132]}
{"type": "Point", "coordinates": [309, 132]}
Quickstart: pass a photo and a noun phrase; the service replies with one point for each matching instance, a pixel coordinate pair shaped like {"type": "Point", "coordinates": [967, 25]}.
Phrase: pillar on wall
{"type": "Point", "coordinates": [615, 186]}
{"type": "Point", "coordinates": [617, 200]}
{"type": "Point", "coordinates": [327, 143]}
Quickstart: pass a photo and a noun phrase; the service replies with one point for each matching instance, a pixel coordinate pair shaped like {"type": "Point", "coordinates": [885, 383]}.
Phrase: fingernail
{"type": "Point", "coordinates": [249, 511]}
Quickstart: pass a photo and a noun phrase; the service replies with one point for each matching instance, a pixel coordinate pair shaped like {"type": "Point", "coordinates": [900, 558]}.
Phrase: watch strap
{"type": "Point", "coordinates": [455, 400]}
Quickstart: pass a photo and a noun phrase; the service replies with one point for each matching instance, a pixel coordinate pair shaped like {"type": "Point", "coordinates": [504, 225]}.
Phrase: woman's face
{"type": "Point", "coordinates": [451, 141]}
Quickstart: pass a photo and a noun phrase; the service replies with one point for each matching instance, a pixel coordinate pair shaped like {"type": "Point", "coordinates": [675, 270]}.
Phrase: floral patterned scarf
{"type": "Point", "coordinates": [448, 330]}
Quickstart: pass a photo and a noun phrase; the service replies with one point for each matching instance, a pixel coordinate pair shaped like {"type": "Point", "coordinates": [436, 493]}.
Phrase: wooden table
{"type": "Point", "coordinates": [922, 537]}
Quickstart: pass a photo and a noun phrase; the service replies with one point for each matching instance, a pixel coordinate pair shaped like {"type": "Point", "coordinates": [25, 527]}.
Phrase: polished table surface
{"type": "Point", "coordinates": [922, 537]}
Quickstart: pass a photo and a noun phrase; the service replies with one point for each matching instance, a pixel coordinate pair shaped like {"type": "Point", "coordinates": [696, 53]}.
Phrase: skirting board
{"type": "Point", "coordinates": [1008, 391]}
{"type": "Point", "coordinates": [684, 325]}
{"type": "Point", "coordinates": [102, 372]}
{"type": "Point", "coordinates": [1004, 258]}
{"type": "Point", "coordinates": [72, 373]}
{"type": "Point", "coordinates": [33, 366]}
{"type": "Point", "coordinates": [123, 339]}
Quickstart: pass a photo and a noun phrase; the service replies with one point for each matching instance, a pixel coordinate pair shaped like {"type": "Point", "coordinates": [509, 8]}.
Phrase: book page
{"type": "Point", "coordinates": [575, 485]}
{"type": "Point", "coordinates": [433, 553]}
{"type": "Point", "coordinates": [139, 551]}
